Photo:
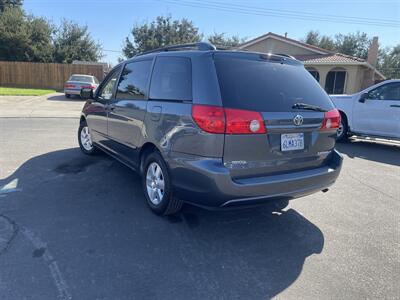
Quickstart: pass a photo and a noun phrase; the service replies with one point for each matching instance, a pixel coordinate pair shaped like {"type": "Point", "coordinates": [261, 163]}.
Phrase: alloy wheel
{"type": "Point", "coordinates": [86, 139]}
{"type": "Point", "coordinates": [155, 183]}
{"type": "Point", "coordinates": [339, 131]}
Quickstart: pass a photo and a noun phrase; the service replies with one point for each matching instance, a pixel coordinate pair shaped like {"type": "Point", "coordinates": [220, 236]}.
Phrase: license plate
{"type": "Point", "coordinates": [292, 141]}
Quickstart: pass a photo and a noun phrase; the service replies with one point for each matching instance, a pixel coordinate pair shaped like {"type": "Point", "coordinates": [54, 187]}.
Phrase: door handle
{"type": "Point", "coordinates": [395, 105]}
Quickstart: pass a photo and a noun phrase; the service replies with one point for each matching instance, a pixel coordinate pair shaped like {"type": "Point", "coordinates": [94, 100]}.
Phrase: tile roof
{"type": "Point", "coordinates": [329, 58]}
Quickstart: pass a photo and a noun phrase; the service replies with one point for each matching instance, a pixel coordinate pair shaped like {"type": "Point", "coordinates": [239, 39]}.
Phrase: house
{"type": "Point", "coordinates": [337, 73]}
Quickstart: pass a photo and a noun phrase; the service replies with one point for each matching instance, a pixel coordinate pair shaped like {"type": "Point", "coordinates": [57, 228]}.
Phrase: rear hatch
{"type": "Point", "coordinates": [292, 108]}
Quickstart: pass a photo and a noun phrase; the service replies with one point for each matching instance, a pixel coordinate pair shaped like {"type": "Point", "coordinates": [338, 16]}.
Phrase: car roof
{"type": "Point", "coordinates": [197, 53]}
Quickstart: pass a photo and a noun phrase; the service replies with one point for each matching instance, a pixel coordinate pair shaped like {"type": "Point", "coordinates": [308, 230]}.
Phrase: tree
{"type": "Point", "coordinates": [327, 43]}
{"type": "Point", "coordinates": [14, 39]}
{"type": "Point", "coordinates": [389, 62]}
{"type": "Point", "coordinates": [220, 40]}
{"type": "Point", "coordinates": [159, 33]}
{"type": "Point", "coordinates": [74, 42]}
{"type": "Point", "coordinates": [354, 44]}
{"type": "Point", "coordinates": [9, 4]}
{"type": "Point", "coordinates": [24, 38]}
{"type": "Point", "coordinates": [312, 38]}
{"type": "Point", "coordinates": [29, 38]}
{"type": "Point", "coordinates": [40, 33]}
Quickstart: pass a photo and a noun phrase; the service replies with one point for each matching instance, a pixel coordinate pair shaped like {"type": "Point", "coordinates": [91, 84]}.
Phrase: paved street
{"type": "Point", "coordinates": [77, 227]}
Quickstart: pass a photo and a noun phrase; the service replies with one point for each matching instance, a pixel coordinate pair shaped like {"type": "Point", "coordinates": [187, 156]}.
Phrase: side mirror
{"type": "Point", "coordinates": [363, 97]}
{"type": "Point", "coordinates": [86, 93]}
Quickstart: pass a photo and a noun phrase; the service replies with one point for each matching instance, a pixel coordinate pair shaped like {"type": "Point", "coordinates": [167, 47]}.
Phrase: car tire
{"type": "Point", "coordinates": [85, 140]}
{"type": "Point", "coordinates": [67, 95]}
{"type": "Point", "coordinates": [343, 130]}
{"type": "Point", "coordinates": [157, 188]}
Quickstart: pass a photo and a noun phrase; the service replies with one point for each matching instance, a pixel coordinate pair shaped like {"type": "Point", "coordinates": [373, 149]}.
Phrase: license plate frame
{"type": "Point", "coordinates": [292, 141]}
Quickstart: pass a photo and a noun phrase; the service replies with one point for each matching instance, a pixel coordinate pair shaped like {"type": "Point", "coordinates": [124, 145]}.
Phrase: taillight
{"type": "Point", "coordinates": [331, 120]}
{"type": "Point", "coordinates": [243, 121]}
{"type": "Point", "coordinates": [68, 86]}
{"type": "Point", "coordinates": [88, 87]}
{"type": "Point", "coordinates": [216, 119]}
{"type": "Point", "coordinates": [209, 118]}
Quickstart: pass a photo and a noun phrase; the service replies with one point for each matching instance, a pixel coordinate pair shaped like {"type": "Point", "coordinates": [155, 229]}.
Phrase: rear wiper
{"type": "Point", "coordinates": [307, 107]}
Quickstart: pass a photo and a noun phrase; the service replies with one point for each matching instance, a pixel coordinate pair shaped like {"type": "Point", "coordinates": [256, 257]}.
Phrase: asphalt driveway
{"type": "Point", "coordinates": [77, 227]}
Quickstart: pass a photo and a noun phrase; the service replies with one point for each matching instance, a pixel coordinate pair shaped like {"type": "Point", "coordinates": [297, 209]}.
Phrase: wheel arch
{"type": "Point", "coordinates": [344, 116]}
{"type": "Point", "coordinates": [82, 119]}
{"type": "Point", "coordinates": [146, 149]}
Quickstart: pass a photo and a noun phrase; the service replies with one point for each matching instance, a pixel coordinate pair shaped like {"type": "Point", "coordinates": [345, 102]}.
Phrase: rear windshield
{"type": "Point", "coordinates": [254, 83]}
{"type": "Point", "coordinates": [81, 78]}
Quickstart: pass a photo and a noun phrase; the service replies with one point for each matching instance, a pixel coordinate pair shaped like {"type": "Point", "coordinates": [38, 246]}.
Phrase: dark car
{"type": "Point", "coordinates": [215, 128]}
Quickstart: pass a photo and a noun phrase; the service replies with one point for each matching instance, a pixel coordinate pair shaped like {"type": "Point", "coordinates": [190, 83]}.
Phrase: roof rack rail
{"type": "Point", "coordinates": [202, 46]}
{"type": "Point", "coordinates": [286, 55]}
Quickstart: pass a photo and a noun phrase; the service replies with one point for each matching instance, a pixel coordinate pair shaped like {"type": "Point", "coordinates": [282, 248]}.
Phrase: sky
{"type": "Point", "coordinates": [111, 21]}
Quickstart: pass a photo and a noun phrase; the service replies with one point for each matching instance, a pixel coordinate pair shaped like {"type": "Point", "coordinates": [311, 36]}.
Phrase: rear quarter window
{"type": "Point", "coordinates": [264, 85]}
{"type": "Point", "coordinates": [171, 79]}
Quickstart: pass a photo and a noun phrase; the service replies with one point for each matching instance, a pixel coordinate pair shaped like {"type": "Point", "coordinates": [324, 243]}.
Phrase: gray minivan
{"type": "Point", "coordinates": [215, 128]}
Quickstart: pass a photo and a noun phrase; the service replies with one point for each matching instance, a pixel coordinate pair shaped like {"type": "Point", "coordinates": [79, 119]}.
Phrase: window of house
{"type": "Point", "coordinates": [133, 81]}
{"type": "Point", "coordinates": [172, 79]}
{"type": "Point", "coordinates": [335, 81]}
{"type": "Point", "coordinates": [314, 73]}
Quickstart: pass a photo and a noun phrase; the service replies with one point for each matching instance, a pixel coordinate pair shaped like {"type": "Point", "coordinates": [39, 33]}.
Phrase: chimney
{"type": "Point", "coordinates": [373, 51]}
{"type": "Point", "coordinates": [285, 34]}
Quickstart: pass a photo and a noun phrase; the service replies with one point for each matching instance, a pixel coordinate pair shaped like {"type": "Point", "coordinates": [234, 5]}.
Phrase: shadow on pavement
{"type": "Point", "coordinates": [92, 214]}
{"type": "Point", "coordinates": [61, 97]}
{"type": "Point", "coordinates": [380, 152]}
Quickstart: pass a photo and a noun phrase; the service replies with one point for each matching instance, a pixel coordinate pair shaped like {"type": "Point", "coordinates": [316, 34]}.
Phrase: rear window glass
{"type": "Point", "coordinates": [172, 79]}
{"type": "Point", "coordinates": [81, 78]}
{"type": "Point", "coordinates": [260, 85]}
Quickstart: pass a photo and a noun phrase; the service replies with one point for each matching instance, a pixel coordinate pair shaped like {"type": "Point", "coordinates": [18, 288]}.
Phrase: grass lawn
{"type": "Point", "coordinates": [4, 91]}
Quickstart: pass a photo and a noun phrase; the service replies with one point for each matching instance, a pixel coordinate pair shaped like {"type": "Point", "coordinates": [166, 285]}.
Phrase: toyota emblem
{"type": "Point", "coordinates": [298, 120]}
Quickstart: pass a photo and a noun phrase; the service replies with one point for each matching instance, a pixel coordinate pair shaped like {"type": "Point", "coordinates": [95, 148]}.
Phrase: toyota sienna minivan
{"type": "Point", "coordinates": [215, 128]}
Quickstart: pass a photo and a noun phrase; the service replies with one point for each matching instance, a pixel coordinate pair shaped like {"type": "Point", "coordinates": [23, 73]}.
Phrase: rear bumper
{"type": "Point", "coordinates": [207, 182]}
{"type": "Point", "coordinates": [72, 91]}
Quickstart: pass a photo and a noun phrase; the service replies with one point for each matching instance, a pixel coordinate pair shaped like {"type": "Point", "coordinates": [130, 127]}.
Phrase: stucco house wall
{"type": "Point", "coordinates": [275, 46]}
{"type": "Point", "coordinates": [354, 75]}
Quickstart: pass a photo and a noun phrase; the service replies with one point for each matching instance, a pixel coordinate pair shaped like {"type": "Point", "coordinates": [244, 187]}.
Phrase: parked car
{"type": "Point", "coordinates": [77, 82]}
{"type": "Point", "coordinates": [373, 112]}
{"type": "Point", "coordinates": [215, 128]}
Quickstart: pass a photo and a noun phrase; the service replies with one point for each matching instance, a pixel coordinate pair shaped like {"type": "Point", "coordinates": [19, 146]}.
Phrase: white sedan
{"type": "Point", "coordinates": [79, 81]}
{"type": "Point", "coordinates": [373, 112]}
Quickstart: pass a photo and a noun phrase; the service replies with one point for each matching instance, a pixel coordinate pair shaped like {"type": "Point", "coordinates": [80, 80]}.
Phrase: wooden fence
{"type": "Point", "coordinates": [43, 75]}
